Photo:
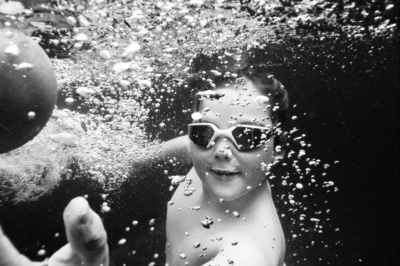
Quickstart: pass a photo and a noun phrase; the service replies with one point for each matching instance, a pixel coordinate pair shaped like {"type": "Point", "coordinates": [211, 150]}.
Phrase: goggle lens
{"type": "Point", "coordinates": [201, 135]}
{"type": "Point", "coordinates": [248, 138]}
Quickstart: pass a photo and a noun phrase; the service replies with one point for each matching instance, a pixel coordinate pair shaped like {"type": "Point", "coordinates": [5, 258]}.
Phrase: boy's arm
{"type": "Point", "coordinates": [175, 150]}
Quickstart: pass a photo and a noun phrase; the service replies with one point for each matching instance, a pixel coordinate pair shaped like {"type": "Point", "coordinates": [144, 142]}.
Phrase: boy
{"type": "Point", "coordinates": [229, 218]}
{"type": "Point", "coordinates": [223, 213]}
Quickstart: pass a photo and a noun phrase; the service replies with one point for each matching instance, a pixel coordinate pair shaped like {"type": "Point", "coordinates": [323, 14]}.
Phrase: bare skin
{"type": "Point", "coordinates": [254, 237]}
{"type": "Point", "coordinates": [86, 236]}
{"type": "Point", "coordinates": [245, 227]}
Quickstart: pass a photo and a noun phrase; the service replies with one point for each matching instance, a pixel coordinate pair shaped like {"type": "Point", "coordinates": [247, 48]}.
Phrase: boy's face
{"type": "Point", "coordinates": [226, 172]}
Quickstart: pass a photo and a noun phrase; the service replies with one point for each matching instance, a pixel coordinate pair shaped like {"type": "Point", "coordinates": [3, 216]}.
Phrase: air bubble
{"type": "Point", "coordinates": [12, 49]}
{"type": "Point", "coordinates": [9, 34]}
{"type": "Point", "coordinates": [131, 50]}
{"type": "Point", "coordinates": [81, 37]}
{"type": "Point", "coordinates": [197, 116]}
{"type": "Point", "coordinates": [105, 54]}
{"type": "Point", "coordinates": [121, 67]}
{"type": "Point", "coordinates": [23, 66]}
{"type": "Point", "coordinates": [71, 20]}
{"type": "Point", "coordinates": [41, 252]}
{"type": "Point", "coordinates": [124, 84]}
{"type": "Point", "coordinates": [260, 100]}
{"type": "Point", "coordinates": [207, 222]}
{"type": "Point", "coordinates": [69, 100]}
{"type": "Point", "coordinates": [85, 92]}
{"type": "Point", "coordinates": [144, 83]}
{"type": "Point", "coordinates": [78, 45]}
{"type": "Point", "coordinates": [328, 183]}
{"type": "Point", "coordinates": [105, 208]}
{"type": "Point", "coordinates": [31, 115]}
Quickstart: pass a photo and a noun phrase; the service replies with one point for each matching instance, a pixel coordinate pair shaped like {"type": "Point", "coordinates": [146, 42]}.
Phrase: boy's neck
{"type": "Point", "coordinates": [245, 204]}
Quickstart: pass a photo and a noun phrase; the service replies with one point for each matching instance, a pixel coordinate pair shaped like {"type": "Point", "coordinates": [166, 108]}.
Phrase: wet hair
{"type": "Point", "coordinates": [179, 94]}
{"type": "Point", "coordinates": [212, 70]}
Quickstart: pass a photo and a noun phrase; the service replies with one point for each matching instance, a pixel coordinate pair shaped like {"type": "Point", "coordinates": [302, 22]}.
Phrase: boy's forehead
{"type": "Point", "coordinates": [244, 104]}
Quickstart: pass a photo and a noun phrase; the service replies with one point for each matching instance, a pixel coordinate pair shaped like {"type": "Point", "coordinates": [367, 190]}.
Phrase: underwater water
{"type": "Point", "coordinates": [344, 97]}
{"type": "Point", "coordinates": [349, 115]}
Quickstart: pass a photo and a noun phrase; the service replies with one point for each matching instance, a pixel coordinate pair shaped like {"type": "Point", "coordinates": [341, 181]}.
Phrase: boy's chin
{"type": "Point", "coordinates": [227, 194]}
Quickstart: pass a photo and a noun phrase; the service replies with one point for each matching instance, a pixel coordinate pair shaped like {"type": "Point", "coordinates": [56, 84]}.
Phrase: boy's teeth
{"type": "Point", "coordinates": [223, 172]}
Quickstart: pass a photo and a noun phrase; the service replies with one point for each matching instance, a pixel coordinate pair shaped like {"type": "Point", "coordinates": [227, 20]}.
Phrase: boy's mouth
{"type": "Point", "coordinates": [224, 172]}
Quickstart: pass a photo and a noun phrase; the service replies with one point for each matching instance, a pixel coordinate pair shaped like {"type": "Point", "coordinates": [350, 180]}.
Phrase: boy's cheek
{"type": "Point", "coordinates": [198, 156]}
{"type": "Point", "coordinates": [257, 158]}
{"type": "Point", "coordinates": [192, 152]}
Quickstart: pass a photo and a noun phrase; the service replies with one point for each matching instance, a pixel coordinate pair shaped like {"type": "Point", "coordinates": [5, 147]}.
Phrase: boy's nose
{"type": "Point", "coordinates": [222, 149]}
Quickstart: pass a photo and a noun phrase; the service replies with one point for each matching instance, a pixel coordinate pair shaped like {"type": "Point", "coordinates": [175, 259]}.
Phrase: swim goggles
{"type": "Point", "coordinates": [245, 137]}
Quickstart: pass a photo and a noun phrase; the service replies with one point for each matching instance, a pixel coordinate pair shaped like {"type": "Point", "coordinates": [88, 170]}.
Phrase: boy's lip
{"type": "Point", "coordinates": [223, 171]}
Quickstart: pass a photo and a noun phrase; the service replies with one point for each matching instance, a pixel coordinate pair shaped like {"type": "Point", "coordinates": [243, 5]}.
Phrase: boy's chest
{"type": "Point", "coordinates": [192, 241]}
{"type": "Point", "coordinates": [195, 248]}
{"type": "Point", "coordinates": [196, 235]}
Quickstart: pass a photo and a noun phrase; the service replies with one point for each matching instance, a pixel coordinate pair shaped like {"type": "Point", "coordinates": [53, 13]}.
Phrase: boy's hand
{"type": "Point", "coordinates": [86, 236]}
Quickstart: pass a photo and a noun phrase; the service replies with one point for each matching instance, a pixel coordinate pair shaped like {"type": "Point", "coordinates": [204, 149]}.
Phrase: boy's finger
{"type": "Point", "coordinates": [9, 256]}
{"type": "Point", "coordinates": [86, 233]}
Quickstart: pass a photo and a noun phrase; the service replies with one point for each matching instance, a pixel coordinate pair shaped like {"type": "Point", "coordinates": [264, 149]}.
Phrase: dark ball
{"type": "Point", "coordinates": [28, 89]}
